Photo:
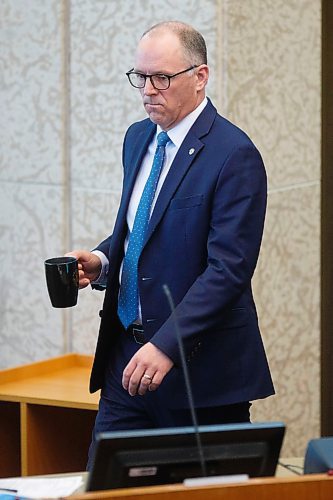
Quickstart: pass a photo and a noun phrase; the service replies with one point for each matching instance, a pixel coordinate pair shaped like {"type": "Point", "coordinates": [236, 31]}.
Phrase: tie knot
{"type": "Point", "coordinates": [162, 139]}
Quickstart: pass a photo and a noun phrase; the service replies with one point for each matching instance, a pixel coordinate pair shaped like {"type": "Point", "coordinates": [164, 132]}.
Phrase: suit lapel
{"type": "Point", "coordinates": [135, 157]}
{"type": "Point", "coordinates": [185, 157]}
{"type": "Point", "coordinates": [182, 162]}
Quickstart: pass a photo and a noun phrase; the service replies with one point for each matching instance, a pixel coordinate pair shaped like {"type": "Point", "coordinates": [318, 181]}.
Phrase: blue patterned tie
{"type": "Point", "coordinates": [128, 301]}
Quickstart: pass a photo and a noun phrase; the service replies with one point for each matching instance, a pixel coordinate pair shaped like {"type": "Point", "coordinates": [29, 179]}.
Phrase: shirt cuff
{"type": "Point", "coordinates": [102, 278]}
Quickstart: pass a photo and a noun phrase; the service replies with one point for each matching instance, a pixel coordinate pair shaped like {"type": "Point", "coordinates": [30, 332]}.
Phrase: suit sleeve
{"type": "Point", "coordinates": [105, 245]}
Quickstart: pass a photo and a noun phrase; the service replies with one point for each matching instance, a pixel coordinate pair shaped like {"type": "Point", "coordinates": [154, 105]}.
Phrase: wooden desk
{"type": "Point", "coordinates": [46, 416]}
{"type": "Point", "coordinates": [310, 487]}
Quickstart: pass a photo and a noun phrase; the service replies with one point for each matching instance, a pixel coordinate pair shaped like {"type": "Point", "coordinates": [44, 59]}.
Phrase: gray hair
{"type": "Point", "coordinates": [192, 41]}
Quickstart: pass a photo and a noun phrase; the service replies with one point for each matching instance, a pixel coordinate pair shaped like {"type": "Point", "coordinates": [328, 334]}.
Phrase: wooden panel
{"type": "Point", "coordinates": [46, 416]}
{"type": "Point", "coordinates": [318, 487]}
{"type": "Point", "coordinates": [58, 439]}
{"type": "Point", "coordinates": [10, 461]}
{"type": "Point", "coordinates": [60, 381]}
{"type": "Point", "coordinates": [24, 439]}
{"type": "Point", "coordinates": [327, 221]}
{"type": "Point", "coordinates": [43, 367]}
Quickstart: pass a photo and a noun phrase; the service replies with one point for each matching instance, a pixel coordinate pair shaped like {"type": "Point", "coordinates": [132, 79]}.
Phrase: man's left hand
{"type": "Point", "coordinates": [146, 370]}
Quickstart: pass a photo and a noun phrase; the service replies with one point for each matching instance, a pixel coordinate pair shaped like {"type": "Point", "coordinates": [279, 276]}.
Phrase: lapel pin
{"type": "Point", "coordinates": [191, 151]}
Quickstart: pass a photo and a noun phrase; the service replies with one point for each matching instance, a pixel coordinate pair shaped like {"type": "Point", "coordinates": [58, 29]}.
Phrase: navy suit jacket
{"type": "Point", "coordinates": [203, 241]}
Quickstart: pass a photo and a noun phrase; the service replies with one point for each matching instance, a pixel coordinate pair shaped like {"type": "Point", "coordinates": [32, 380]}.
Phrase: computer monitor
{"type": "Point", "coordinates": [161, 456]}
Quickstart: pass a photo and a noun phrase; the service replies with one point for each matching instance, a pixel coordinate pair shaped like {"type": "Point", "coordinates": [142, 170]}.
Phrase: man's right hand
{"type": "Point", "coordinates": [89, 266]}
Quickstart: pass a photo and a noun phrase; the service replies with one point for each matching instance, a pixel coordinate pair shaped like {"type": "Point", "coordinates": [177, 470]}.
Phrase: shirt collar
{"type": "Point", "coordinates": [178, 133]}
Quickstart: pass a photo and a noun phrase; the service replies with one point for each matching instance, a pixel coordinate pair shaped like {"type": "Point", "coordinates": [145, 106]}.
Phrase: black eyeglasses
{"type": "Point", "coordinates": [159, 81]}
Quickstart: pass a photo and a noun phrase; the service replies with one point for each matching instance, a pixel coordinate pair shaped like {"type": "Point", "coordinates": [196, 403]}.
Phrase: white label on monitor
{"type": "Point", "coordinates": [204, 481]}
{"type": "Point", "coordinates": [142, 471]}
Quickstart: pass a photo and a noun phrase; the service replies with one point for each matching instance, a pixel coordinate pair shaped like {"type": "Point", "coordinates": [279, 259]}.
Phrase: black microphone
{"type": "Point", "coordinates": [187, 381]}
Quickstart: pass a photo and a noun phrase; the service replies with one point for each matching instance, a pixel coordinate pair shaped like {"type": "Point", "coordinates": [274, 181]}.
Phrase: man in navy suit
{"type": "Point", "coordinates": [202, 241]}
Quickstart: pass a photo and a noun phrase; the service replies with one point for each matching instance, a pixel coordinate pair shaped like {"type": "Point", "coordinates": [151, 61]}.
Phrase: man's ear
{"type": "Point", "coordinates": [202, 76]}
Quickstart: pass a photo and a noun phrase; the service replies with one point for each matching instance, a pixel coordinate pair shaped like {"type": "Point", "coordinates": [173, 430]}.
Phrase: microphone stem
{"type": "Point", "coordinates": [187, 382]}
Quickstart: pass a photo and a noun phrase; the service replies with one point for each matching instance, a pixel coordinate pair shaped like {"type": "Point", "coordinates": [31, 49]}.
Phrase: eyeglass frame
{"type": "Point", "coordinates": [131, 72]}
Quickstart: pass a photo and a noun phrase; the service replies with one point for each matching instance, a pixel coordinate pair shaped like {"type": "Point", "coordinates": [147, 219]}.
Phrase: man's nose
{"type": "Point", "coordinates": [149, 89]}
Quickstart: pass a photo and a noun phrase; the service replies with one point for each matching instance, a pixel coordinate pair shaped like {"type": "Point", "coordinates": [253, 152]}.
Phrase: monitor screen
{"type": "Point", "coordinates": [125, 459]}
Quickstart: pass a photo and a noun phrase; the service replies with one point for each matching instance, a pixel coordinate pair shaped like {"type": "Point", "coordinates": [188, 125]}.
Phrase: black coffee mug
{"type": "Point", "coordinates": [62, 278]}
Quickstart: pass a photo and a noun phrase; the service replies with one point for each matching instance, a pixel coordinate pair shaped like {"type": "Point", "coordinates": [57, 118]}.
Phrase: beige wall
{"type": "Point", "coordinates": [65, 104]}
{"type": "Point", "coordinates": [273, 74]}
